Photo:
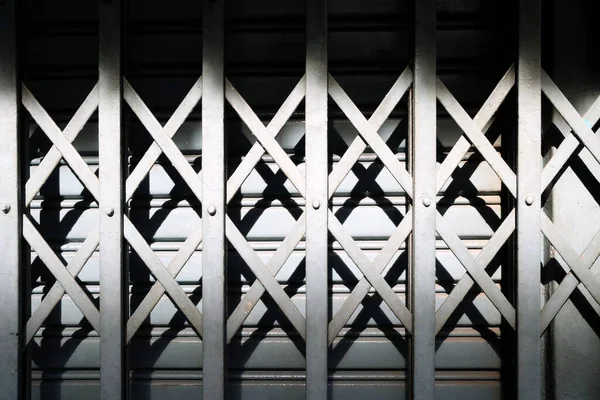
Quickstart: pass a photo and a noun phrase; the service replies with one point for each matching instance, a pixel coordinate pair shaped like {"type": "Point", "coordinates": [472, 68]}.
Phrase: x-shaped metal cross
{"type": "Point", "coordinates": [474, 135]}
{"type": "Point", "coordinates": [368, 136]}
{"type": "Point", "coordinates": [578, 267]}
{"type": "Point", "coordinates": [163, 143]}
{"type": "Point", "coordinates": [61, 148]}
{"type": "Point", "coordinates": [265, 274]}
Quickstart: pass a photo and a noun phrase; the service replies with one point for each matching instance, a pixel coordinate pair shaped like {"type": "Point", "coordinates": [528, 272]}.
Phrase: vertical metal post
{"type": "Point", "coordinates": [424, 203]}
{"type": "Point", "coordinates": [529, 239]}
{"type": "Point", "coordinates": [316, 200]}
{"type": "Point", "coordinates": [113, 273]}
{"type": "Point", "coordinates": [214, 281]}
{"type": "Point", "coordinates": [11, 318]}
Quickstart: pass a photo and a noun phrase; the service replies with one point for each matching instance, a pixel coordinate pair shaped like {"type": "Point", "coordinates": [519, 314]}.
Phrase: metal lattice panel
{"type": "Point", "coordinates": [318, 318]}
{"type": "Point", "coordinates": [265, 273]}
{"type": "Point", "coordinates": [577, 132]}
{"type": "Point", "coordinates": [371, 271]}
{"type": "Point", "coordinates": [65, 275]}
{"type": "Point", "coordinates": [474, 135]}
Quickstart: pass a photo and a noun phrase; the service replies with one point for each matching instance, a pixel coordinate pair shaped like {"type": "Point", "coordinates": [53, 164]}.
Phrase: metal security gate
{"type": "Point", "coordinates": [316, 199]}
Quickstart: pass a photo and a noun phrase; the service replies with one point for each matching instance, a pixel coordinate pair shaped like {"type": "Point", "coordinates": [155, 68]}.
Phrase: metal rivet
{"type": "Point", "coordinates": [211, 210]}
{"type": "Point", "coordinates": [316, 204]}
{"type": "Point", "coordinates": [529, 200]}
{"type": "Point", "coordinates": [110, 211]}
{"type": "Point", "coordinates": [6, 208]}
{"type": "Point", "coordinates": [426, 200]}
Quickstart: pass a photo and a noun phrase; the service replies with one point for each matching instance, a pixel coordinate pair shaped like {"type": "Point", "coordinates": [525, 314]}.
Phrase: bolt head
{"type": "Point", "coordinates": [6, 208]}
{"type": "Point", "coordinates": [426, 200]}
{"type": "Point", "coordinates": [529, 200]}
{"type": "Point", "coordinates": [316, 204]}
{"type": "Point", "coordinates": [109, 211]}
{"type": "Point", "coordinates": [211, 210]}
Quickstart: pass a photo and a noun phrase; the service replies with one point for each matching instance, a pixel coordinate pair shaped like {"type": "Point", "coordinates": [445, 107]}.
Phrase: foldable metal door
{"type": "Point", "coordinates": [119, 242]}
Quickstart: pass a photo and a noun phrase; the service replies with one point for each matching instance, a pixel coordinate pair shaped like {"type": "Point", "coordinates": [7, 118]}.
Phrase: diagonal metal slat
{"type": "Point", "coordinates": [53, 157]}
{"type": "Point", "coordinates": [182, 112]}
{"type": "Point", "coordinates": [474, 131]}
{"type": "Point", "coordinates": [370, 135]}
{"type": "Point", "coordinates": [569, 146]}
{"type": "Point", "coordinates": [264, 137]}
{"type": "Point", "coordinates": [157, 290]}
{"type": "Point", "coordinates": [474, 134]}
{"type": "Point", "coordinates": [239, 176]}
{"type": "Point", "coordinates": [165, 143]}
{"type": "Point", "coordinates": [62, 275]}
{"type": "Point", "coordinates": [274, 127]}
{"type": "Point", "coordinates": [160, 272]}
{"type": "Point", "coordinates": [583, 273]}
{"type": "Point", "coordinates": [478, 274]}
{"type": "Point", "coordinates": [33, 186]}
{"type": "Point", "coordinates": [73, 158]}
{"type": "Point", "coordinates": [56, 293]}
{"type": "Point", "coordinates": [464, 285]}
{"type": "Point", "coordinates": [368, 270]}
{"type": "Point", "coordinates": [341, 170]}
{"type": "Point", "coordinates": [266, 279]}
{"type": "Point", "coordinates": [163, 140]}
{"type": "Point", "coordinates": [570, 115]}
{"type": "Point", "coordinates": [275, 263]}
{"type": "Point", "coordinates": [265, 143]}
{"type": "Point", "coordinates": [482, 120]}
{"type": "Point", "coordinates": [148, 160]}
{"type": "Point", "coordinates": [381, 114]}
{"type": "Point", "coordinates": [362, 288]}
